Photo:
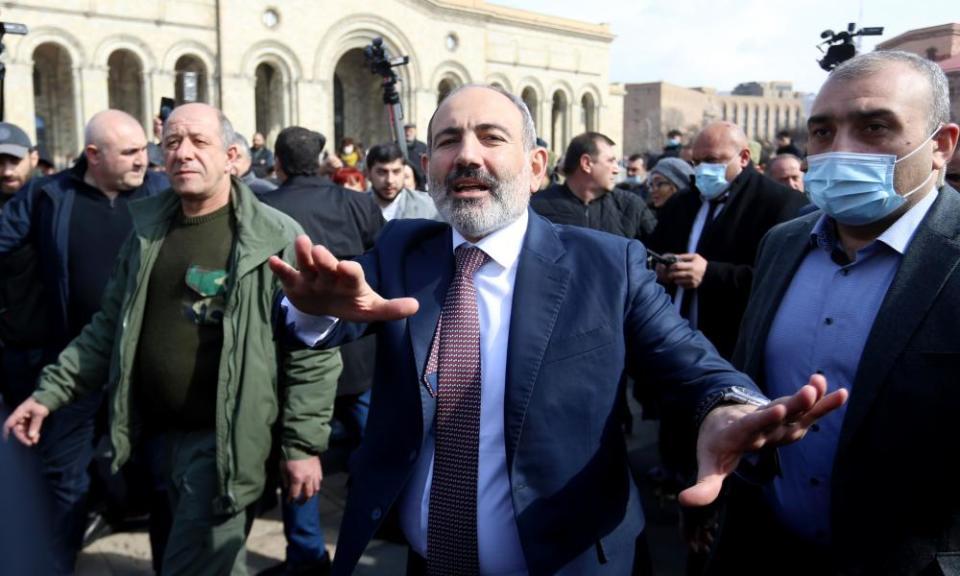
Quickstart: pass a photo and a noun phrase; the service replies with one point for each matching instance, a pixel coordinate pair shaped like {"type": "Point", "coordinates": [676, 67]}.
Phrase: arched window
{"type": "Point", "coordinates": [269, 100]}
{"type": "Point", "coordinates": [588, 110]}
{"type": "Point", "coordinates": [54, 102]}
{"type": "Point", "coordinates": [125, 83]}
{"type": "Point", "coordinates": [191, 82]}
{"type": "Point", "coordinates": [558, 123]}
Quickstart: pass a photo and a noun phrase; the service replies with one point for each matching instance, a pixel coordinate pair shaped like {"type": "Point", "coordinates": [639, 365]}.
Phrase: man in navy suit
{"type": "Point", "coordinates": [865, 291]}
{"type": "Point", "coordinates": [562, 312]}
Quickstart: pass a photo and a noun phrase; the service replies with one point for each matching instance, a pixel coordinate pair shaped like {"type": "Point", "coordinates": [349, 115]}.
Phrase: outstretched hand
{"type": "Point", "coordinates": [729, 431]}
{"type": "Point", "coordinates": [325, 286]}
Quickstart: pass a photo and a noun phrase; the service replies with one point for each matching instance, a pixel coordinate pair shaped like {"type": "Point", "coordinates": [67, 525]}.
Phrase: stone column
{"type": "Point", "coordinates": [18, 97]}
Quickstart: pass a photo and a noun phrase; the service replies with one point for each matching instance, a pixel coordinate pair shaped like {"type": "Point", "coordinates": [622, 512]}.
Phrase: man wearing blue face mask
{"type": "Point", "coordinates": [715, 230]}
{"type": "Point", "coordinates": [865, 291]}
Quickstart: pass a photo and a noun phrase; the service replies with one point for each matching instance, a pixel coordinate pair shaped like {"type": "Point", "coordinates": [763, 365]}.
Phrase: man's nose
{"type": "Point", "coordinates": [469, 153]}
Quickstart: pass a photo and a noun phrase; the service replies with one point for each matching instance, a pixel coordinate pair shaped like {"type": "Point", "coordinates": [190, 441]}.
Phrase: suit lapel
{"type": "Point", "coordinates": [429, 271]}
{"type": "Point", "coordinates": [538, 294]}
{"type": "Point", "coordinates": [931, 258]}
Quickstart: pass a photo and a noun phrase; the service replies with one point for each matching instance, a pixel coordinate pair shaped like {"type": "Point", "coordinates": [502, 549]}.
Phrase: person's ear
{"type": "Point", "coordinates": [538, 167]}
{"type": "Point", "coordinates": [946, 141]}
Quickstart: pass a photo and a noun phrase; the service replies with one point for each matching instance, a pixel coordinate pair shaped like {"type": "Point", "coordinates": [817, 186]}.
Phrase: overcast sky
{"type": "Point", "coordinates": [720, 43]}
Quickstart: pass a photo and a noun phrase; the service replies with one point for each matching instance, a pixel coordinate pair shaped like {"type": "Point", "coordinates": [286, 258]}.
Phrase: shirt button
{"type": "Point", "coordinates": [814, 482]}
{"type": "Point", "coordinates": [376, 513]}
{"type": "Point", "coordinates": [828, 321]}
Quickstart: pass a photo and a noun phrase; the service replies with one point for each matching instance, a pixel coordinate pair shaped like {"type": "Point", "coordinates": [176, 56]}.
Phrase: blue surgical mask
{"type": "Point", "coordinates": [711, 179]}
{"type": "Point", "coordinates": [855, 188]}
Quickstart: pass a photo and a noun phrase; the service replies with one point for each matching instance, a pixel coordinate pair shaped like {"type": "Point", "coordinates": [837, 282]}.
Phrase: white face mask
{"type": "Point", "coordinates": [348, 149]}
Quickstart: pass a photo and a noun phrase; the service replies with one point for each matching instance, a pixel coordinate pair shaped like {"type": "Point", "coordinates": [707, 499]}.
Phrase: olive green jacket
{"type": "Point", "coordinates": [258, 379]}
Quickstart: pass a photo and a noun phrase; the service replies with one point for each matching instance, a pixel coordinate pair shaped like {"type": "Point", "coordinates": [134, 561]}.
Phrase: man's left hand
{"type": "Point", "coordinates": [730, 430]}
{"type": "Point", "coordinates": [302, 478]}
{"type": "Point", "coordinates": [688, 271]}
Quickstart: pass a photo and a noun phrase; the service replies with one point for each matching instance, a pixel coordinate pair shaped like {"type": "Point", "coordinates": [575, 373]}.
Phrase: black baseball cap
{"type": "Point", "coordinates": [14, 141]}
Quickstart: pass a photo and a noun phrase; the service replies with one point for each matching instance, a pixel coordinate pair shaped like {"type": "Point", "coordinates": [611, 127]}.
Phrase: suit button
{"type": "Point", "coordinates": [815, 427]}
{"type": "Point", "coordinates": [828, 321]}
{"type": "Point", "coordinates": [413, 456]}
{"type": "Point", "coordinates": [376, 513]}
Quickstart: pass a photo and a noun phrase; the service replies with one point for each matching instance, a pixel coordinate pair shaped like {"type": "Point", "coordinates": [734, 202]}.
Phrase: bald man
{"type": "Point", "coordinates": [715, 229]}
{"type": "Point", "coordinates": [64, 232]}
{"type": "Point", "coordinates": [195, 357]}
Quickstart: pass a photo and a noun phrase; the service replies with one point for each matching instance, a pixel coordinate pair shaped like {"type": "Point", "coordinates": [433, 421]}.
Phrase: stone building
{"type": "Point", "coordinates": [269, 64]}
{"type": "Point", "coordinates": [652, 109]}
{"type": "Point", "coordinates": [940, 44]}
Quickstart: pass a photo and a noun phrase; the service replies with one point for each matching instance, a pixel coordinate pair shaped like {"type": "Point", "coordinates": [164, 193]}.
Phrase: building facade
{"type": "Point", "coordinates": [940, 44]}
{"type": "Point", "coordinates": [271, 64]}
{"type": "Point", "coordinates": [652, 109]}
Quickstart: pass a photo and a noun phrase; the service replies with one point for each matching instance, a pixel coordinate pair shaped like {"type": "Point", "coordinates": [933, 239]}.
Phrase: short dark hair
{"type": "Point", "coordinates": [298, 150]}
{"type": "Point", "coordinates": [783, 134]}
{"type": "Point", "coordinates": [384, 154]}
{"type": "Point", "coordinates": [585, 143]}
{"type": "Point", "coordinates": [635, 157]}
{"type": "Point", "coordinates": [674, 132]}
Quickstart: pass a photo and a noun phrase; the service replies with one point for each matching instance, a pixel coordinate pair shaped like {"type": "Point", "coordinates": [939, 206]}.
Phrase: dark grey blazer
{"type": "Point", "coordinates": [895, 502]}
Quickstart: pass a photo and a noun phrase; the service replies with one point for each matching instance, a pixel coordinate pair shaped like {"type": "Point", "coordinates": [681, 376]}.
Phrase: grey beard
{"type": "Point", "coordinates": [478, 217]}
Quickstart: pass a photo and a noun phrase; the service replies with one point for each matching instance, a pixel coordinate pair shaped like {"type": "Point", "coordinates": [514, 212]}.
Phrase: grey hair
{"type": "Point", "coordinates": [874, 62]}
{"type": "Point", "coordinates": [243, 147]}
{"type": "Point", "coordinates": [529, 133]}
{"type": "Point", "coordinates": [227, 133]}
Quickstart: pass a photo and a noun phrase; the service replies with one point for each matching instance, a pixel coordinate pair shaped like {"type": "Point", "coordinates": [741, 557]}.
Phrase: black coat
{"type": "Point", "coordinates": [729, 244]}
{"type": "Point", "coordinates": [618, 212]}
{"type": "Point", "coordinates": [346, 223]}
{"type": "Point", "coordinates": [895, 508]}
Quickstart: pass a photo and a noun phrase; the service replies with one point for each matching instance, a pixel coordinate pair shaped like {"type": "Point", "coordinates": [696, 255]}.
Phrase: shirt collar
{"type": "Point", "coordinates": [502, 246]}
{"type": "Point", "coordinates": [898, 236]}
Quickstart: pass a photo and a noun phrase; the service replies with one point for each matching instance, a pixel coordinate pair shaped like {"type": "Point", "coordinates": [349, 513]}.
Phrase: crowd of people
{"type": "Point", "coordinates": [189, 321]}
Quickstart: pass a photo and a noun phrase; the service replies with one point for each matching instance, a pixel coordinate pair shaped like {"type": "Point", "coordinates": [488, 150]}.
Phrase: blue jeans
{"type": "Point", "coordinates": [301, 522]}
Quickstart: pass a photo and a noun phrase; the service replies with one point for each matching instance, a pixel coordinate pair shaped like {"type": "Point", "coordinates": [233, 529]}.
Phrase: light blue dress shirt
{"type": "Point", "coordinates": [822, 326]}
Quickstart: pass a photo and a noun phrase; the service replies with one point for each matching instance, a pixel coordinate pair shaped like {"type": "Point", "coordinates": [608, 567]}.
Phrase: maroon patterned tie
{"type": "Point", "coordinates": [455, 357]}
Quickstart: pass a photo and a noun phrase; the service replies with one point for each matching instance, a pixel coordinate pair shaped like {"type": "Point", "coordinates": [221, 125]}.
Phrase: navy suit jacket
{"type": "Point", "coordinates": [895, 508]}
{"type": "Point", "coordinates": [585, 309]}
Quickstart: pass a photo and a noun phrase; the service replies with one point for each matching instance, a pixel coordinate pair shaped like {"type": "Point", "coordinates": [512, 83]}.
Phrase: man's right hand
{"type": "Point", "coordinates": [25, 422]}
{"type": "Point", "coordinates": [325, 286]}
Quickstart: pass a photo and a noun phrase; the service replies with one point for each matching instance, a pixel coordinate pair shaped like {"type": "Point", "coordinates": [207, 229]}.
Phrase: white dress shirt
{"type": "Point", "coordinates": [699, 223]}
{"type": "Point", "coordinates": [498, 539]}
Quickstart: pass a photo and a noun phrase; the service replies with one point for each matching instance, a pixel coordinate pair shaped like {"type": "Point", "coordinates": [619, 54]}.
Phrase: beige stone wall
{"type": "Point", "coordinates": [940, 41]}
{"type": "Point", "coordinates": [551, 57]}
{"type": "Point", "coordinates": [652, 109]}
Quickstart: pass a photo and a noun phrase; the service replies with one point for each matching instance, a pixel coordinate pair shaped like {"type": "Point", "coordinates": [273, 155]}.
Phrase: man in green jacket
{"type": "Point", "coordinates": [186, 340]}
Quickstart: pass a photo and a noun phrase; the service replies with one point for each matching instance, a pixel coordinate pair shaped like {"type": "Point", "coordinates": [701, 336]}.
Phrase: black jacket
{"type": "Point", "coordinates": [346, 223]}
{"type": "Point", "coordinates": [38, 220]}
{"type": "Point", "coordinates": [729, 244]}
{"type": "Point", "coordinates": [618, 212]}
